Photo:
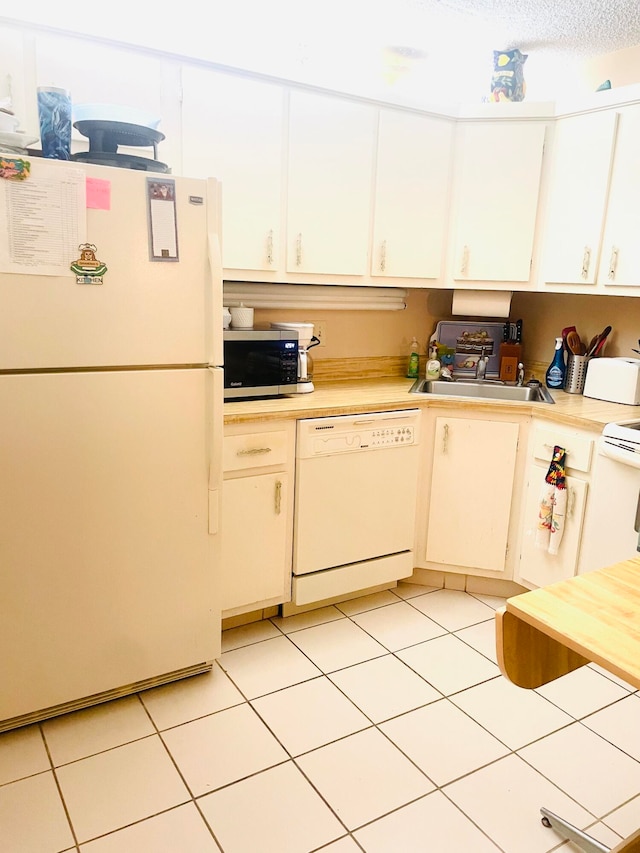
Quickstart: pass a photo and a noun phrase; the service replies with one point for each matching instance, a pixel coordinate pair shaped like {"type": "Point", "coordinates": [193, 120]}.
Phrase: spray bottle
{"type": "Point", "coordinates": [556, 370]}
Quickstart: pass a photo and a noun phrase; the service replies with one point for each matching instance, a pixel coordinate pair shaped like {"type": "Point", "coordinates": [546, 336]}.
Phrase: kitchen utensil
{"type": "Point", "coordinates": [518, 331]}
{"type": "Point", "coordinates": [600, 345]}
{"type": "Point", "coordinates": [565, 332]}
{"type": "Point", "coordinates": [597, 343]}
{"type": "Point", "coordinates": [574, 343]}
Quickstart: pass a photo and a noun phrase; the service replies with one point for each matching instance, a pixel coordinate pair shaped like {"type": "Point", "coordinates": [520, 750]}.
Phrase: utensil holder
{"type": "Point", "coordinates": [576, 374]}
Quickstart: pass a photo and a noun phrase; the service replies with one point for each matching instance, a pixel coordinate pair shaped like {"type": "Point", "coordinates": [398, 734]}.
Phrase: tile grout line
{"type": "Point", "coordinates": [184, 781]}
{"type": "Point", "coordinates": [58, 786]}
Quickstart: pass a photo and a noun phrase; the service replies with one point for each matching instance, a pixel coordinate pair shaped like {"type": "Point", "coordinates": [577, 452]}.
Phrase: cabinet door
{"type": "Point", "coordinates": [582, 152]}
{"type": "Point", "coordinates": [498, 167]}
{"type": "Point", "coordinates": [330, 176]}
{"type": "Point", "coordinates": [537, 566]}
{"type": "Point", "coordinates": [17, 73]}
{"type": "Point", "coordinates": [233, 130]}
{"type": "Point", "coordinates": [412, 191]}
{"type": "Point", "coordinates": [620, 258]}
{"type": "Point", "coordinates": [256, 559]}
{"type": "Point", "coordinates": [470, 495]}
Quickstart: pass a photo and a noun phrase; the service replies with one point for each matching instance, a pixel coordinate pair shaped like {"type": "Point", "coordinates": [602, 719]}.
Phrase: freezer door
{"type": "Point", "coordinates": [166, 312]}
{"type": "Point", "coordinates": [107, 563]}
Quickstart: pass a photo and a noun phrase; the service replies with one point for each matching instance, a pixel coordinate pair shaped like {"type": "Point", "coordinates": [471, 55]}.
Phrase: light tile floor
{"type": "Point", "coordinates": [381, 724]}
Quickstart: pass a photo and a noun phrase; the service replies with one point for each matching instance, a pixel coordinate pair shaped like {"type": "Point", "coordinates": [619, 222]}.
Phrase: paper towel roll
{"type": "Point", "coordinates": [481, 303]}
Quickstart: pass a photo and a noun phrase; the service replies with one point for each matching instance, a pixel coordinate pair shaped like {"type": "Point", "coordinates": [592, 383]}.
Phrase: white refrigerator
{"type": "Point", "coordinates": [111, 396]}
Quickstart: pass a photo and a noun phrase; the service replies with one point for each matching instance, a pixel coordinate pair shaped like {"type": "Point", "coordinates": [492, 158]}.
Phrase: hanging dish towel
{"type": "Point", "coordinates": [553, 504]}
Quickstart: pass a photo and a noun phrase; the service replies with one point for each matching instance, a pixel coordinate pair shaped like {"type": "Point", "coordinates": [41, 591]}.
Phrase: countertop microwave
{"type": "Point", "coordinates": [260, 363]}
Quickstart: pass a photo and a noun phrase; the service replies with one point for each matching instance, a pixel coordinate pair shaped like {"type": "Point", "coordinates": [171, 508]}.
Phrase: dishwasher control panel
{"type": "Point", "coordinates": [356, 433]}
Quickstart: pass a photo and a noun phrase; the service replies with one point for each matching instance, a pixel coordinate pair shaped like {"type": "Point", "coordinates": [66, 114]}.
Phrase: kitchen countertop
{"type": "Point", "coordinates": [388, 394]}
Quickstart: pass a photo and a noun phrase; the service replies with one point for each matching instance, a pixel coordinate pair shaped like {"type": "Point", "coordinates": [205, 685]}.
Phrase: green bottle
{"type": "Point", "coordinates": [413, 368]}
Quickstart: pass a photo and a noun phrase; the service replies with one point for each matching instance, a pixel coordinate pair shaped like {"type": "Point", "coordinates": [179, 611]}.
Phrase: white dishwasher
{"type": "Point", "coordinates": [355, 502]}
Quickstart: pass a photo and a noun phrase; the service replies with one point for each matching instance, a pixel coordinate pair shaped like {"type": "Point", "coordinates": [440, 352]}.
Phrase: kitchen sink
{"type": "Point", "coordinates": [483, 389]}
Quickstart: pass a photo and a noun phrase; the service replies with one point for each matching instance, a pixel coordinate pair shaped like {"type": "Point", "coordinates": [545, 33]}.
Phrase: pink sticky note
{"type": "Point", "coordinates": [99, 193]}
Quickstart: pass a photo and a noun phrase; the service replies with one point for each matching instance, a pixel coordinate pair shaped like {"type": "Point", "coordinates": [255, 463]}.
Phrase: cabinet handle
{"type": "Point", "coordinates": [254, 451]}
{"type": "Point", "coordinates": [278, 497]}
{"type": "Point", "coordinates": [586, 260]}
{"type": "Point", "coordinates": [464, 266]}
{"type": "Point", "coordinates": [571, 501]}
{"type": "Point", "coordinates": [299, 250]}
{"type": "Point", "coordinates": [613, 263]}
{"type": "Point", "coordinates": [445, 438]}
{"type": "Point", "coordinates": [270, 247]}
{"type": "Point", "coordinates": [383, 256]}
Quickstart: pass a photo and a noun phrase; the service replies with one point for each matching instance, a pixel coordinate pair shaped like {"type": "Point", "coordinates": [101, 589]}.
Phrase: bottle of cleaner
{"type": "Point", "coordinates": [556, 370]}
{"type": "Point", "coordinates": [433, 365]}
{"type": "Point", "coordinates": [413, 367]}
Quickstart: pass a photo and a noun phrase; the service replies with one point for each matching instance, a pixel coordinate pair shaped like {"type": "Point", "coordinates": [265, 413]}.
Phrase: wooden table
{"type": "Point", "coordinates": [548, 632]}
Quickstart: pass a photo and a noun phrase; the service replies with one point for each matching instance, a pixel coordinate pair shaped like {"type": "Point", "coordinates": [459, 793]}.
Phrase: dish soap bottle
{"type": "Point", "coordinates": [556, 370]}
{"type": "Point", "coordinates": [413, 367]}
{"type": "Point", "coordinates": [433, 365]}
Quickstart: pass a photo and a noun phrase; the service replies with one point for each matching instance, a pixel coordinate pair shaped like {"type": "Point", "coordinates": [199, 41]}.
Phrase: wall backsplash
{"type": "Point", "coordinates": [545, 315]}
{"type": "Point", "coordinates": [362, 334]}
{"type": "Point", "coordinates": [359, 334]}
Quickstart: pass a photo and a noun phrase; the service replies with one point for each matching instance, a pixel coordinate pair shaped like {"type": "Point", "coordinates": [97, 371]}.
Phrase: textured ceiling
{"type": "Point", "coordinates": [579, 28]}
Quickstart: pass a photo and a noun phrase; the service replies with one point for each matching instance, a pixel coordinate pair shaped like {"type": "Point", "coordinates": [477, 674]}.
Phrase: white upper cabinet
{"type": "Point", "coordinates": [620, 256]}
{"type": "Point", "coordinates": [411, 194]}
{"type": "Point", "coordinates": [497, 169]}
{"type": "Point", "coordinates": [579, 181]}
{"type": "Point", "coordinates": [331, 142]}
{"type": "Point", "coordinates": [233, 130]}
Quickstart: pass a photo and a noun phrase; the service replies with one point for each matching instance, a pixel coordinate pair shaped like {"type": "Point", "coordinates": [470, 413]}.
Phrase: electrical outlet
{"type": "Point", "coordinates": [320, 333]}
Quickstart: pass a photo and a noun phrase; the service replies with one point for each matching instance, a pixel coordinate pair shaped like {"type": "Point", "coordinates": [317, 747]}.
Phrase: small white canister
{"type": "Point", "coordinates": [242, 317]}
{"type": "Point", "coordinates": [226, 317]}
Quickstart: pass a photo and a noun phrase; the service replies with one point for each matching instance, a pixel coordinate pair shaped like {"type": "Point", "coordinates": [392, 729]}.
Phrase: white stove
{"type": "Point", "coordinates": [612, 522]}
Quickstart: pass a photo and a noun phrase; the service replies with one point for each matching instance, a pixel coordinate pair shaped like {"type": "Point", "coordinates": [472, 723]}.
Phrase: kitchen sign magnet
{"type": "Point", "coordinates": [88, 269]}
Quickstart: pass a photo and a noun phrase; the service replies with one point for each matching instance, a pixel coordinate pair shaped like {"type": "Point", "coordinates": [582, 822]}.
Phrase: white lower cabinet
{"type": "Point", "coordinates": [537, 567]}
{"type": "Point", "coordinates": [472, 479]}
{"type": "Point", "coordinates": [257, 516]}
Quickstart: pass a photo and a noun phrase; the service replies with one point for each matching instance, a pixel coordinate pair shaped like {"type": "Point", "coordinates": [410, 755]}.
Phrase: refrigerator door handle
{"type": "Point", "coordinates": [214, 511]}
{"type": "Point", "coordinates": [214, 249]}
{"type": "Point", "coordinates": [216, 429]}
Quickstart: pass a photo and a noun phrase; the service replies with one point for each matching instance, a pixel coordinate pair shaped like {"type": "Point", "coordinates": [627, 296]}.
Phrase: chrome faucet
{"type": "Point", "coordinates": [481, 366]}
